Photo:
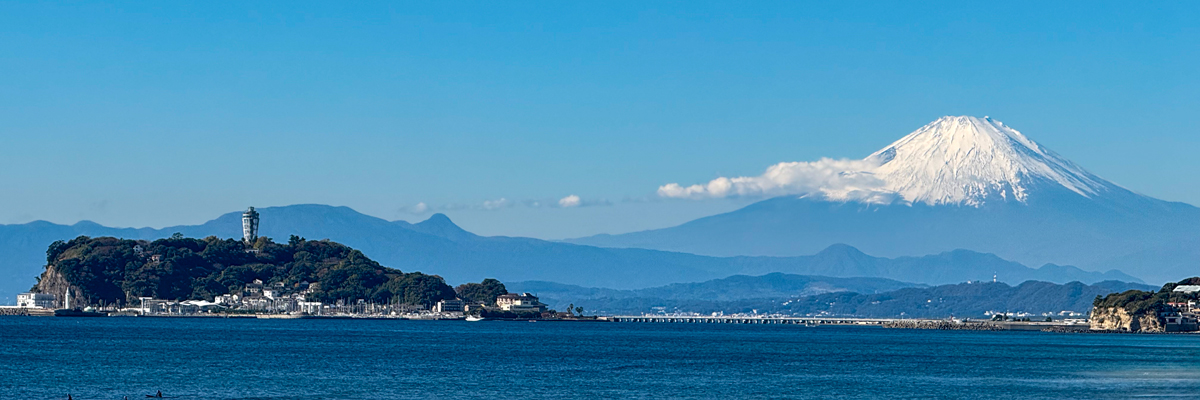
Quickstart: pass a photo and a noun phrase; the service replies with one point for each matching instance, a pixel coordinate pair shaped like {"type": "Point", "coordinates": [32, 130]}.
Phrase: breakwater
{"type": "Point", "coordinates": [764, 320]}
{"type": "Point", "coordinates": [26, 312]}
{"type": "Point", "coordinates": [944, 325]}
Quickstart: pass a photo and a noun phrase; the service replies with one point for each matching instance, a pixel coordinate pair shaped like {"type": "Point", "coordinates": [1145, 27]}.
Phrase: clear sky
{"type": "Point", "coordinates": [164, 113]}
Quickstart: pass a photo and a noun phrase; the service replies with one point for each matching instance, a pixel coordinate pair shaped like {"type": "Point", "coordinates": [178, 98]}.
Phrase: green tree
{"type": "Point", "coordinates": [481, 293]}
{"type": "Point", "coordinates": [55, 249]}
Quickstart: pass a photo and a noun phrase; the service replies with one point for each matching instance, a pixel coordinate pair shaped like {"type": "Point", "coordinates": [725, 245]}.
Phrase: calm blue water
{"type": "Point", "coordinates": [107, 358]}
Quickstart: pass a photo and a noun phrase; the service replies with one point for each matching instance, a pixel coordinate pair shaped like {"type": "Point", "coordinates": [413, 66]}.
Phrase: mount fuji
{"type": "Point", "coordinates": [956, 183]}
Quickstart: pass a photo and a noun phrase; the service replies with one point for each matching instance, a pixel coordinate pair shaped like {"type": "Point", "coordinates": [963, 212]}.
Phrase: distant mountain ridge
{"type": "Point", "coordinates": [738, 287]}
{"type": "Point", "coordinates": [438, 246]}
{"type": "Point", "coordinates": [957, 183]}
{"type": "Point", "coordinates": [971, 300]}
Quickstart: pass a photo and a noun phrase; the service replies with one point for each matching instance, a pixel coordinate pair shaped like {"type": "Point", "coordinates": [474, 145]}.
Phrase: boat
{"type": "Point", "coordinates": [473, 318]}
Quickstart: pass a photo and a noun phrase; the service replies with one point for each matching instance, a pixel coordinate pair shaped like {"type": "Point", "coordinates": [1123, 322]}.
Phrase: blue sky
{"type": "Point", "coordinates": [163, 113]}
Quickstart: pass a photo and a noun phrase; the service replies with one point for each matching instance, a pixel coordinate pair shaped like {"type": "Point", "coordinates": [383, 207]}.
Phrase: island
{"type": "Point", "coordinates": [215, 274]}
{"type": "Point", "coordinates": [1171, 309]}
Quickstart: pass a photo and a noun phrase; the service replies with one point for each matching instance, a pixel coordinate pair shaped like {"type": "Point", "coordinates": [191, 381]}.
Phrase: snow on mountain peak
{"type": "Point", "coordinates": [967, 160]}
{"type": "Point", "coordinates": [953, 160]}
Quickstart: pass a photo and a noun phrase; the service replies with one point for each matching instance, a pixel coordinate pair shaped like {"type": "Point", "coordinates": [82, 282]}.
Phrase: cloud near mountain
{"type": "Point", "coordinates": [832, 178]}
{"type": "Point", "coordinates": [954, 160]}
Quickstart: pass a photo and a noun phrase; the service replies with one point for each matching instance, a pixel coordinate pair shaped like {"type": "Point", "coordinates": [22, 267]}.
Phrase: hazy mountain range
{"type": "Point", "coordinates": [817, 295]}
{"type": "Point", "coordinates": [678, 295]}
{"type": "Point", "coordinates": [438, 246]}
{"type": "Point", "coordinates": [957, 183]}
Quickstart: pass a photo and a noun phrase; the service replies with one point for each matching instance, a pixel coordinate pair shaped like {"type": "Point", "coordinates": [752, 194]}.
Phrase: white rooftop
{"type": "Point", "coordinates": [1188, 288]}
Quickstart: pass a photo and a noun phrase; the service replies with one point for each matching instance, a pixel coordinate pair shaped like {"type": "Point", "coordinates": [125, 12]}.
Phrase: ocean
{"type": "Point", "coordinates": [108, 358]}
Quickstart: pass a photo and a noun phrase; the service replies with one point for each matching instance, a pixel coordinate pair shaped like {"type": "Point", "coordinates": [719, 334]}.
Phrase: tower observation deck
{"type": "Point", "coordinates": [250, 226]}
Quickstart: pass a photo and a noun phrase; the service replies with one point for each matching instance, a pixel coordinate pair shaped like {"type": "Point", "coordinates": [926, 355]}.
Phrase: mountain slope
{"type": "Point", "coordinates": [738, 287]}
{"type": "Point", "coordinates": [961, 300]}
{"type": "Point", "coordinates": [815, 295]}
{"type": "Point", "coordinates": [437, 246]}
{"type": "Point", "coordinates": [959, 182]}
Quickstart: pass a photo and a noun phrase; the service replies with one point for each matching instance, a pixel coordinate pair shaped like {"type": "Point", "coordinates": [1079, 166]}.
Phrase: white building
{"type": "Point", "coordinates": [228, 299]}
{"type": "Point", "coordinates": [1187, 289]}
{"type": "Point", "coordinates": [36, 300]}
{"type": "Point", "coordinates": [447, 306]}
{"type": "Point", "coordinates": [311, 307]}
{"type": "Point", "coordinates": [519, 302]}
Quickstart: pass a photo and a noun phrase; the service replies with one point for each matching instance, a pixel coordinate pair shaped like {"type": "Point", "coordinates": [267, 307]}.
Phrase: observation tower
{"type": "Point", "coordinates": [250, 226]}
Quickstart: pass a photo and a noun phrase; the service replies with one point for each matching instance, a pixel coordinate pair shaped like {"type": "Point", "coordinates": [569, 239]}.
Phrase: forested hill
{"type": "Point", "coordinates": [1143, 301]}
{"type": "Point", "coordinates": [111, 270]}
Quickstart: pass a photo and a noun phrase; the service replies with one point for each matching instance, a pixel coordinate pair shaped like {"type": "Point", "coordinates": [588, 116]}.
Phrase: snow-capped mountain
{"type": "Point", "coordinates": [969, 160]}
{"type": "Point", "coordinates": [955, 183]}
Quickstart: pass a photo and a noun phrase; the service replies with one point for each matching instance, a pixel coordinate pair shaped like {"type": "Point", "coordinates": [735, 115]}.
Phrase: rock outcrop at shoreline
{"type": "Point", "coordinates": [52, 281]}
{"type": "Point", "coordinates": [1118, 319]}
{"type": "Point", "coordinates": [1167, 310]}
{"type": "Point", "coordinates": [943, 325]}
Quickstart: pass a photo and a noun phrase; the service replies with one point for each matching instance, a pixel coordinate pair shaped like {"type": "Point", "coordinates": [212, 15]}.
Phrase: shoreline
{"type": "Point", "coordinates": [909, 323]}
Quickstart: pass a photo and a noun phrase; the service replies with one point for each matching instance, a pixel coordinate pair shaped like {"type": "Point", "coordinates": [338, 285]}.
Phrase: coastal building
{"type": "Point", "coordinates": [310, 307]}
{"type": "Point", "coordinates": [448, 306]}
{"type": "Point", "coordinates": [519, 302]}
{"type": "Point", "coordinates": [1187, 289]}
{"type": "Point", "coordinates": [196, 306]}
{"type": "Point", "coordinates": [253, 289]}
{"type": "Point", "coordinates": [250, 226]}
{"type": "Point", "coordinates": [1180, 322]}
{"type": "Point", "coordinates": [36, 300]}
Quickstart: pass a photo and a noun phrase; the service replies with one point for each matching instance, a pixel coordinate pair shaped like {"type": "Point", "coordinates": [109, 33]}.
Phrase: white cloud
{"type": "Point", "coordinates": [496, 204]}
{"type": "Point", "coordinates": [415, 209]}
{"type": "Point", "coordinates": [836, 179]}
{"type": "Point", "coordinates": [419, 208]}
{"type": "Point", "coordinates": [570, 201]}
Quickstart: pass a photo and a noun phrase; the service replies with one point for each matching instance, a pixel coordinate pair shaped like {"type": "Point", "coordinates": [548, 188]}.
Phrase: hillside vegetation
{"type": "Point", "coordinates": [1142, 302]}
{"type": "Point", "coordinates": [112, 270]}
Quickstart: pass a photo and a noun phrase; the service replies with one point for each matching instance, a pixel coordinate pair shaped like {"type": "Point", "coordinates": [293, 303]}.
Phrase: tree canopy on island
{"type": "Point", "coordinates": [118, 270]}
{"type": "Point", "coordinates": [481, 293]}
{"type": "Point", "coordinates": [1141, 302]}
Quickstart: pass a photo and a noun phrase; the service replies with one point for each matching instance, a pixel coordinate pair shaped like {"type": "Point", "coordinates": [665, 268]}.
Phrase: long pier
{"type": "Point", "coordinates": [807, 321]}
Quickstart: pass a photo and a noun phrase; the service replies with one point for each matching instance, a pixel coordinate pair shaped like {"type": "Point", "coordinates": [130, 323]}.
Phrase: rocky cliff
{"type": "Point", "coordinates": [52, 282]}
{"type": "Point", "coordinates": [1119, 319]}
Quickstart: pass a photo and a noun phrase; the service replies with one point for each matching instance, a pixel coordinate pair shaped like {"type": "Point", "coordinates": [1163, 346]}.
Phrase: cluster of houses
{"type": "Point", "coordinates": [278, 298]}
{"type": "Point", "coordinates": [1186, 318]}
{"type": "Point", "coordinates": [257, 297]}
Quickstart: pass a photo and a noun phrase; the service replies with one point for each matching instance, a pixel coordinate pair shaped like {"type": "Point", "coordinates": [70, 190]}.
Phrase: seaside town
{"type": "Point", "coordinates": [279, 300]}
